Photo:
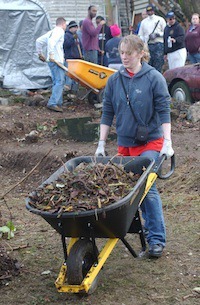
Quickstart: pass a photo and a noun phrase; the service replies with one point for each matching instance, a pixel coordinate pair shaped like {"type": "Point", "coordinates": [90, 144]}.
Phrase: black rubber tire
{"type": "Point", "coordinates": [94, 98]}
{"type": "Point", "coordinates": [79, 262]}
{"type": "Point", "coordinates": [181, 93]}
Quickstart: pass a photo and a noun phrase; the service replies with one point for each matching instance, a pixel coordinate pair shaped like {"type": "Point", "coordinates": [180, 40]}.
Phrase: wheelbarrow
{"type": "Point", "coordinates": [83, 261]}
{"type": "Point", "coordinates": [91, 76]}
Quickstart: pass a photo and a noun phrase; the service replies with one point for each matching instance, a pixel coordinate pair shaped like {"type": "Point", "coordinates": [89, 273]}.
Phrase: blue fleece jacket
{"type": "Point", "coordinates": [149, 98]}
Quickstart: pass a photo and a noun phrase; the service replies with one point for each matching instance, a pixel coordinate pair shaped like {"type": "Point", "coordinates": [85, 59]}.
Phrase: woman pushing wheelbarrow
{"type": "Point", "coordinates": [138, 96]}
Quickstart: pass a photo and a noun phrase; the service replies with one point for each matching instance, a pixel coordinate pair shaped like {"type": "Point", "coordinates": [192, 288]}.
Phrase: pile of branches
{"type": "Point", "coordinates": [89, 186]}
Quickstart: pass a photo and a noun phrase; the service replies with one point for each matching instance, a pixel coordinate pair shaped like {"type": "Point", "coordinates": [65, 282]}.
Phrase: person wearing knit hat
{"type": "Point", "coordinates": [115, 30]}
{"type": "Point", "coordinates": [72, 24]}
{"type": "Point", "coordinates": [72, 50]}
{"type": "Point", "coordinates": [111, 48]}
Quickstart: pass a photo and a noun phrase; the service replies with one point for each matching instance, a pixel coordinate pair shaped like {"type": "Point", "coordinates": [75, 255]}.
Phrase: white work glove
{"type": "Point", "coordinates": [100, 152]}
{"type": "Point", "coordinates": [167, 149]}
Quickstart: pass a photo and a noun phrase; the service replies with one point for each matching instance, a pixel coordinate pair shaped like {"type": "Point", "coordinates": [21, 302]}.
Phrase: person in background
{"type": "Point", "coordinates": [151, 32]}
{"type": "Point", "coordinates": [174, 42]}
{"type": "Point", "coordinates": [79, 31]}
{"type": "Point", "coordinates": [90, 35]}
{"type": "Point", "coordinates": [72, 50]}
{"type": "Point", "coordinates": [192, 39]}
{"type": "Point", "coordinates": [104, 36]}
{"type": "Point", "coordinates": [54, 41]}
{"type": "Point", "coordinates": [137, 95]}
{"type": "Point", "coordinates": [111, 48]}
{"type": "Point", "coordinates": [136, 31]}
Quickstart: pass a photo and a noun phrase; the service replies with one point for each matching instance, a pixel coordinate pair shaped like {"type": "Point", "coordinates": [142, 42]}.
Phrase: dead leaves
{"type": "Point", "coordinates": [89, 186]}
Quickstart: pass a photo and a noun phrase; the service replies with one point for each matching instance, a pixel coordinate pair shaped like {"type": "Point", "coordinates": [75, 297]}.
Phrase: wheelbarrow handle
{"type": "Point", "coordinates": [158, 167]}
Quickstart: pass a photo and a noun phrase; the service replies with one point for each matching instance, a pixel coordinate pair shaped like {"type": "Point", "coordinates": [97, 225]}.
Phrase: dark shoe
{"type": "Point", "coordinates": [155, 250]}
{"type": "Point", "coordinates": [55, 108]}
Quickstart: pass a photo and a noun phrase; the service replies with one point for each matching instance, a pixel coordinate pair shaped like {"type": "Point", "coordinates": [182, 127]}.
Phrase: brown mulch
{"type": "Point", "coordinates": [9, 267]}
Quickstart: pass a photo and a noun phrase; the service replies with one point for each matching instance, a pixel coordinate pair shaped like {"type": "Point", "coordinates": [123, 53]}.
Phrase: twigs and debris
{"type": "Point", "coordinates": [89, 186]}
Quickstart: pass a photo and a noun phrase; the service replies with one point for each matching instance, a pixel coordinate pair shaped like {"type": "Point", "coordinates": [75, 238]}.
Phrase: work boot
{"type": "Point", "coordinates": [155, 250]}
{"type": "Point", "coordinates": [55, 108]}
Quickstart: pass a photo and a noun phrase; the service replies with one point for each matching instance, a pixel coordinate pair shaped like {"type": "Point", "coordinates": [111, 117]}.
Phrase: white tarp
{"type": "Point", "coordinates": [21, 23]}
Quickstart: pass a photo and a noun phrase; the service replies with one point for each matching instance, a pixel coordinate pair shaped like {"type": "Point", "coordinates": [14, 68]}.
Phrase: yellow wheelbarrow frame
{"type": "Point", "coordinates": [85, 286]}
{"type": "Point", "coordinates": [121, 217]}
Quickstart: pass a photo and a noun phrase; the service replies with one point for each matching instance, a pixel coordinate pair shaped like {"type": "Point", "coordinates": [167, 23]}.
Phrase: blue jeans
{"type": "Point", "coordinates": [58, 79]}
{"type": "Point", "coordinates": [152, 212]}
{"type": "Point", "coordinates": [194, 58]}
{"type": "Point", "coordinates": [91, 56]}
{"type": "Point", "coordinates": [156, 51]}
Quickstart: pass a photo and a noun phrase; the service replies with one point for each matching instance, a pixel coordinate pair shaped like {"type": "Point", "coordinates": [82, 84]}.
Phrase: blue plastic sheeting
{"type": "Point", "coordinates": [21, 23]}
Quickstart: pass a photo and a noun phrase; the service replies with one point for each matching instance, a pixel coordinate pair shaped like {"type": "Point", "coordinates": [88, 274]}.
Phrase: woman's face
{"type": "Point", "coordinates": [130, 59]}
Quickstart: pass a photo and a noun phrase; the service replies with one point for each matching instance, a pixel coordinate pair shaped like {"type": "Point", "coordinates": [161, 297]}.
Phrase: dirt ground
{"type": "Point", "coordinates": [36, 250]}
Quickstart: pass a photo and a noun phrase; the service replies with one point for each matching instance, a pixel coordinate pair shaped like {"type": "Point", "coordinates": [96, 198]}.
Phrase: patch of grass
{"type": "Point", "coordinates": [5, 93]}
{"type": "Point", "coordinates": [18, 99]}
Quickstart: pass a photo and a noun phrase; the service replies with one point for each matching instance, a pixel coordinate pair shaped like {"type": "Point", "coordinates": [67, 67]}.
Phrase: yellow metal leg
{"type": "Point", "coordinates": [71, 243]}
{"type": "Point", "coordinates": [90, 276]}
{"type": "Point", "coordinates": [150, 181]}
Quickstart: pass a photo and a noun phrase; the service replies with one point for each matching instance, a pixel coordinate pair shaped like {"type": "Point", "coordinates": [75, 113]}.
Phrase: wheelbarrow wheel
{"type": "Point", "coordinates": [94, 98]}
{"type": "Point", "coordinates": [80, 260]}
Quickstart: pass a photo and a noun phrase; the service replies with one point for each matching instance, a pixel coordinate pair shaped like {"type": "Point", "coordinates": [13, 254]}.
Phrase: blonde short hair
{"type": "Point", "coordinates": [135, 43]}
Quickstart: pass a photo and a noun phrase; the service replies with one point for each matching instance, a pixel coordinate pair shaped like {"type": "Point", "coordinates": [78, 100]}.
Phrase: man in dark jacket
{"type": "Point", "coordinates": [72, 44]}
{"type": "Point", "coordinates": [72, 50]}
{"type": "Point", "coordinates": [104, 36]}
{"type": "Point", "coordinates": [174, 42]}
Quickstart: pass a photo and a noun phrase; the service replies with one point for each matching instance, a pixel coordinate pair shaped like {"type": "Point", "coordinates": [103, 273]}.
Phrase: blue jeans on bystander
{"type": "Point", "coordinates": [58, 79]}
{"type": "Point", "coordinates": [194, 58]}
{"type": "Point", "coordinates": [91, 56]}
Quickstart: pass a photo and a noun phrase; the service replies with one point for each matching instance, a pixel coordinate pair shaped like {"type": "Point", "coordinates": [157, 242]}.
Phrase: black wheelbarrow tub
{"type": "Point", "coordinates": [112, 221]}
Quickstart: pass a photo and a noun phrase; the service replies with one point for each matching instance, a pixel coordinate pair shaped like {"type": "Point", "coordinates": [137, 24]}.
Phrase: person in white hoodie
{"type": "Point", "coordinates": [151, 32]}
{"type": "Point", "coordinates": [53, 40]}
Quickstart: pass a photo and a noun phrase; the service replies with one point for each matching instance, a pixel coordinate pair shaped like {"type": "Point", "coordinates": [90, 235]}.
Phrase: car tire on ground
{"type": "Point", "coordinates": [181, 93]}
